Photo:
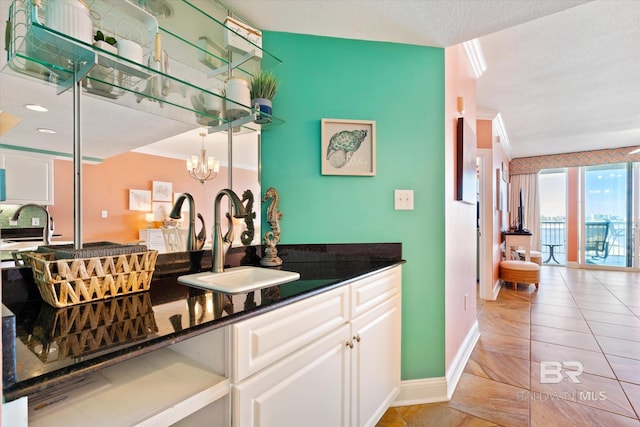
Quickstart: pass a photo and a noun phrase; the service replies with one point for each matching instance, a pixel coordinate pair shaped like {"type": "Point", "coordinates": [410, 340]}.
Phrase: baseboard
{"type": "Point", "coordinates": [496, 289]}
{"type": "Point", "coordinates": [427, 390]}
{"type": "Point", "coordinates": [572, 264]}
{"type": "Point", "coordinates": [462, 357]}
{"type": "Point", "coordinates": [439, 389]}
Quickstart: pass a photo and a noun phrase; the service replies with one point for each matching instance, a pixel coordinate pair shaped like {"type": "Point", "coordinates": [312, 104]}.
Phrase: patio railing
{"type": "Point", "coordinates": [554, 233]}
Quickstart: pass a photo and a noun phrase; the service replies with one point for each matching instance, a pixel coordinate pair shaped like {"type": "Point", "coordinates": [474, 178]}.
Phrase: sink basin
{"type": "Point", "coordinates": [239, 280]}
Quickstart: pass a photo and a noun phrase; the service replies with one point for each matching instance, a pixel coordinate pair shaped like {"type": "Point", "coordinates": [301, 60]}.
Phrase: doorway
{"type": "Point", "coordinates": [608, 224]}
{"type": "Point", "coordinates": [487, 289]}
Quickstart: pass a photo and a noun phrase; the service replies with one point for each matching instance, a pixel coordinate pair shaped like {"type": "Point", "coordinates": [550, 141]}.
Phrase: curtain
{"type": "Point", "coordinates": [528, 183]}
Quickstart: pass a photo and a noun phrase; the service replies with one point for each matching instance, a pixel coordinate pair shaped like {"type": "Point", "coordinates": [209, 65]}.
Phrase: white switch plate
{"type": "Point", "coordinates": [12, 222]}
{"type": "Point", "coordinates": [403, 200]}
{"type": "Point", "coordinates": [104, 214]}
{"type": "Point", "coordinates": [35, 221]}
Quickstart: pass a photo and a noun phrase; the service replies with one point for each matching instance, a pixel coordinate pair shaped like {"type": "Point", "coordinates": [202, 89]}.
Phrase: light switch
{"type": "Point", "coordinates": [403, 200]}
{"type": "Point", "coordinates": [104, 214]}
{"type": "Point", "coordinates": [35, 221]}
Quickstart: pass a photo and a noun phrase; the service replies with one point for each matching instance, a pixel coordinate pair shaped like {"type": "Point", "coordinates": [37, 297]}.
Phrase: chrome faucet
{"type": "Point", "coordinates": [46, 239]}
{"type": "Point", "coordinates": [219, 251]}
{"type": "Point", "coordinates": [176, 214]}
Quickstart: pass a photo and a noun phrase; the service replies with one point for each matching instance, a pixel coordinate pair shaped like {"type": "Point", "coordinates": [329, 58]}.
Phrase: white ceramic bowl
{"type": "Point", "coordinates": [129, 50]}
{"type": "Point", "coordinates": [70, 17]}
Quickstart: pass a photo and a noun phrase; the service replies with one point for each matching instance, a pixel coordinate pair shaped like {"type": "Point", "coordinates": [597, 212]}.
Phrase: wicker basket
{"type": "Point", "coordinates": [65, 282]}
{"type": "Point", "coordinates": [84, 329]}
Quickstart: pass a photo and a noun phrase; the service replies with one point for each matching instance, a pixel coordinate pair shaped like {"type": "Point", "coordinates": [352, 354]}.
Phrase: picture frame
{"type": "Point", "coordinates": [162, 191]}
{"type": "Point", "coordinates": [348, 147]}
{"type": "Point", "coordinates": [160, 210]}
{"type": "Point", "coordinates": [466, 168]}
{"type": "Point", "coordinates": [502, 194]}
{"type": "Point", "coordinates": [140, 200]}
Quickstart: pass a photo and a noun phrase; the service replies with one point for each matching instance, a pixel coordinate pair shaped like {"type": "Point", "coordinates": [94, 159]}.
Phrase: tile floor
{"type": "Point", "coordinates": [588, 319]}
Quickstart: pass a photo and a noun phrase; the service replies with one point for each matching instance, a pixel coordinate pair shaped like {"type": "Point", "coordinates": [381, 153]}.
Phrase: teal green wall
{"type": "Point", "coordinates": [401, 87]}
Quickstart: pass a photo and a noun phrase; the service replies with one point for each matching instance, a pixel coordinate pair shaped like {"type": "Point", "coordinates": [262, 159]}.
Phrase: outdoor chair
{"type": "Point", "coordinates": [597, 239]}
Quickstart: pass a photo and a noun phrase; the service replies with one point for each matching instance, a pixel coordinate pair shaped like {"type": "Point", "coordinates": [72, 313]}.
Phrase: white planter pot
{"type": "Point", "coordinates": [107, 75]}
{"type": "Point", "coordinates": [130, 50]}
{"type": "Point", "coordinates": [238, 98]}
{"type": "Point", "coordinates": [70, 17]}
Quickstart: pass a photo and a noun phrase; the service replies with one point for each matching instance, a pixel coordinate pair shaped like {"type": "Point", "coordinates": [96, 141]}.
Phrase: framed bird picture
{"type": "Point", "coordinates": [348, 147]}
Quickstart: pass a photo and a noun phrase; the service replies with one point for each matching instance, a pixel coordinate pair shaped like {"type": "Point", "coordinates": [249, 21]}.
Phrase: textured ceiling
{"type": "Point", "coordinates": [567, 82]}
{"type": "Point", "coordinates": [439, 23]}
{"type": "Point", "coordinates": [564, 75]}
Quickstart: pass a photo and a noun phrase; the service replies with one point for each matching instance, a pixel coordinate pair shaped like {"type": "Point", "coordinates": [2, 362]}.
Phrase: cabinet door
{"type": "Point", "coordinates": [308, 388]}
{"type": "Point", "coordinates": [375, 379]}
{"type": "Point", "coordinates": [29, 179]}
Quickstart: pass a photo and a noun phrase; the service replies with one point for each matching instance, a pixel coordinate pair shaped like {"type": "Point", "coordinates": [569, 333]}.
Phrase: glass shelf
{"type": "Point", "coordinates": [191, 67]}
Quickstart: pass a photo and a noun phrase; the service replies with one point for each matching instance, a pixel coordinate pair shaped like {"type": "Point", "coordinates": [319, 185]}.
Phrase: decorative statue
{"type": "Point", "coordinates": [271, 238]}
{"type": "Point", "coordinates": [247, 235]}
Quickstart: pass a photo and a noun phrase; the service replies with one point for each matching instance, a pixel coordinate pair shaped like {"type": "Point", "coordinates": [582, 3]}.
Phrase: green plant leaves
{"type": "Point", "coordinates": [263, 85]}
{"type": "Point", "coordinates": [99, 37]}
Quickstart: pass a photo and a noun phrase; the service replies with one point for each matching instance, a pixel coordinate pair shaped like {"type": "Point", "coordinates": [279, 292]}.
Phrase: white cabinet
{"type": "Point", "coordinates": [313, 363]}
{"type": "Point", "coordinates": [29, 178]}
{"type": "Point", "coordinates": [152, 237]}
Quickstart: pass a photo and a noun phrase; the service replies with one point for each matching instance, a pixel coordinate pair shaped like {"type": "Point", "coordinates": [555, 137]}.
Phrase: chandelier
{"type": "Point", "coordinates": [203, 168]}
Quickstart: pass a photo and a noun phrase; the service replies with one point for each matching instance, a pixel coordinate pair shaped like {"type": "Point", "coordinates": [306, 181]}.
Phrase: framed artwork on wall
{"type": "Point", "coordinates": [139, 200]}
{"type": "Point", "coordinates": [502, 192]}
{"type": "Point", "coordinates": [160, 210]}
{"type": "Point", "coordinates": [348, 147]}
{"type": "Point", "coordinates": [162, 191]}
{"type": "Point", "coordinates": [466, 176]}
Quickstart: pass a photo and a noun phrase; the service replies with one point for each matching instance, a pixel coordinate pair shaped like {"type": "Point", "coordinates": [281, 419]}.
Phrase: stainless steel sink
{"type": "Point", "coordinates": [238, 280]}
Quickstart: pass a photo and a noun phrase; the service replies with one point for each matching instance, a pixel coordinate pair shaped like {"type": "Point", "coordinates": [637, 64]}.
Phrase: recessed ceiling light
{"type": "Point", "coordinates": [46, 130]}
{"type": "Point", "coordinates": [36, 107]}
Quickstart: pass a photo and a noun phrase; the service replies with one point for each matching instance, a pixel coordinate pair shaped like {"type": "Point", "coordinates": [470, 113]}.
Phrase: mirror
{"type": "Point", "coordinates": [125, 147]}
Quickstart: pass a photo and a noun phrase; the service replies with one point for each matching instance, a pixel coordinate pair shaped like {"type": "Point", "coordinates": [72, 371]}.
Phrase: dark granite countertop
{"type": "Point", "coordinates": [53, 346]}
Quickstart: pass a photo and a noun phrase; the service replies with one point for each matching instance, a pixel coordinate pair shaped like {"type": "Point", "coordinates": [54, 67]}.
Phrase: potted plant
{"type": "Point", "coordinates": [102, 77]}
{"type": "Point", "coordinates": [263, 87]}
{"type": "Point", "coordinates": [105, 43]}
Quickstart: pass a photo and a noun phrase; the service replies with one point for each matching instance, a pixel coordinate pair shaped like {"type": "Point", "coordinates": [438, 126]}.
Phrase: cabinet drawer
{"type": "Point", "coordinates": [260, 341]}
{"type": "Point", "coordinates": [371, 291]}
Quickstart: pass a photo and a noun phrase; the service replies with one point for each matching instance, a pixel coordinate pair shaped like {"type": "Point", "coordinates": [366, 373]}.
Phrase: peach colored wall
{"type": "Point", "coordinates": [460, 228]}
{"type": "Point", "coordinates": [573, 178]}
{"type": "Point", "coordinates": [106, 187]}
{"type": "Point", "coordinates": [484, 129]}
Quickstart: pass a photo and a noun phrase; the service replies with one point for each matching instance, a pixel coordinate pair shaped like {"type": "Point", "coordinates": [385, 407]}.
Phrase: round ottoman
{"type": "Point", "coordinates": [520, 272]}
{"type": "Point", "coordinates": [534, 255]}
